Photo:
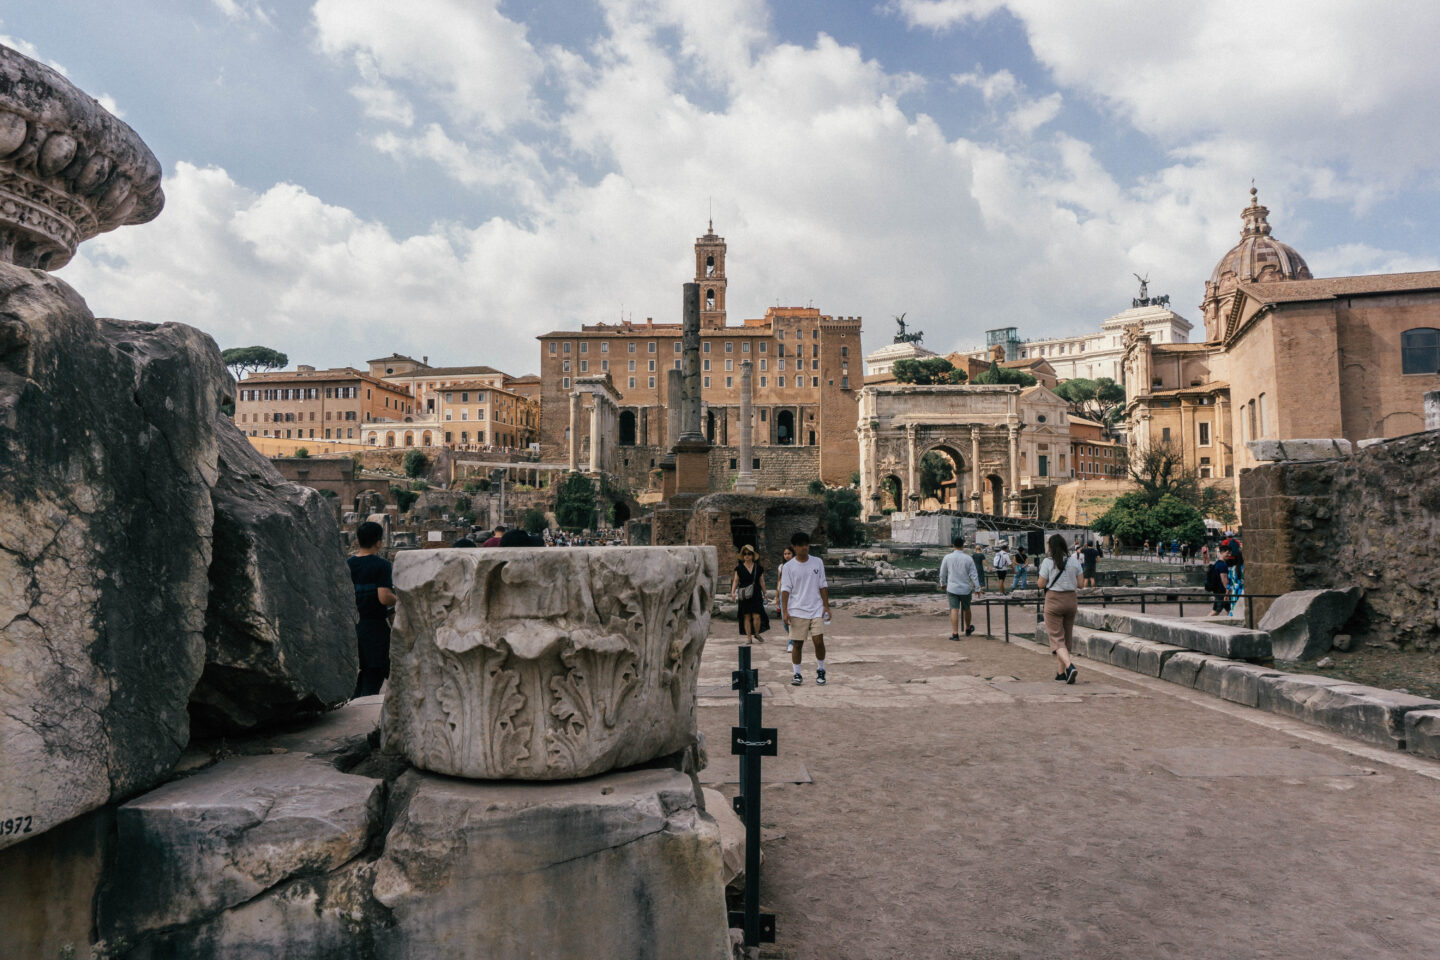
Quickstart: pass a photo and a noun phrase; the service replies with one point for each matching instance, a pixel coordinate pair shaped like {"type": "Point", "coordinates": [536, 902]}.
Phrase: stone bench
{"type": "Point", "coordinates": [1366, 713]}
{"type": "Point", "coordinates": [1216, 639]}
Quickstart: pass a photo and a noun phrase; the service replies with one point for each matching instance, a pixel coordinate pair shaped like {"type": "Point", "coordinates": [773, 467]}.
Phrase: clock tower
{"type": "Point", "coordinates": [710, 274]}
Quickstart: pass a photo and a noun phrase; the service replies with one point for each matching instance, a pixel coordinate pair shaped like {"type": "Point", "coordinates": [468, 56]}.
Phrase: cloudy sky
{"type": "Point", "coordinates": [452, 177]}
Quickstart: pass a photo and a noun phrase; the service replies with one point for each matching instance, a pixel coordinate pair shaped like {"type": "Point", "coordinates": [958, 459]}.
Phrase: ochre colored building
{"type": "Point", "coordinates": [316, 404]}
{"type": "Point", "coordinates": [807, 373]}
{"type": "Point", "coordinates": [1287, 356]}
{"type": "Point", "coordinates": [469, 408]}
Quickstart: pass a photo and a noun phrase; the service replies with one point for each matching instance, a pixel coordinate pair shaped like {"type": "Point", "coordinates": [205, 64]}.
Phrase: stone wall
{"type": "Point", "coordinates": [774, 520]}
{"type": "Point", "coordinates": [787, 468]}
{"type": "Point", "coordinates": [1372, 520]}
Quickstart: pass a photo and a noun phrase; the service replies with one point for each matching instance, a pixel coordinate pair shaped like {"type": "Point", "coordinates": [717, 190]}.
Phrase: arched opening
{"type": "Point", "coordinates": [942, 472]}
{"type": "Point", "coordinates": [1420, 350]}
{"type": "Point", "coordinates": [709, 299]}
{"type": "Point", "coordinates": [409, 439]}
{"type": "Point", "coordinates": [890, 494]}
{"type": "Point", "coordinates": [622, 513]}
{"type": "Point", "coordinates": [627, 428]}
{"type": "Point", "coordinates": [743, 531]}
{"type": "Point", "coordinates": [710, 426]}
{"type": "Point", "coordinates": [995, 495]}
{"type": "Point", "coordinates": [389, 439]}
{"type": "Point", "coordinates": [425, 439]}
{"type": "Point", "coordinates": [710, 266]}
{"type": "Point", "coordinates": [373, 438]}
{"type": "Point", "coordinates": [785, 427]}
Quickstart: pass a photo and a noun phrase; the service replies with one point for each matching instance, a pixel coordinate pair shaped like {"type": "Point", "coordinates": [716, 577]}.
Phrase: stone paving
{"type": "Point", "coordinates": [947, 800]}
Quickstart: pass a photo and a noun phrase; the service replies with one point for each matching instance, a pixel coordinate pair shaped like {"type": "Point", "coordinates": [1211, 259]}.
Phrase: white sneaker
{"type": "Point", "coordinates": [790, 646]}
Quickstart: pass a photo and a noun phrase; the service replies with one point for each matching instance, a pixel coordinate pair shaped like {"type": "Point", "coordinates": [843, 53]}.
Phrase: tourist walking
{"type": "Point", "coordinates": [747, 587]}
{"type": "Point", "coordinates": [960, 582]}
{"type": "Point", "coordinates": [1022, 570]}
{"type": "Point", "coordinates": [805, 606]}
{"type": "Point", "coordinates": [1089, 558]}
{"type": "Point", "coordinates": [1235, 582]}
{"type": "Point", "coordinates": [979, 557]}
{"type": "Point", "coordinates": [1217, 576]}
{"type": "Point", "coordinates": [1060, 578]}
{"type": "Point", "coordinates": [785, 557]}
{"type": "Point", "coordinates": [374, 594]}
{"type": "Point", "coordinates": [1001, 565]}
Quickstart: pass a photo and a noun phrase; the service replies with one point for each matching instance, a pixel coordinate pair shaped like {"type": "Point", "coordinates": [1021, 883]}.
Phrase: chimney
{"type": "Point", "coordinates": [425, 360]}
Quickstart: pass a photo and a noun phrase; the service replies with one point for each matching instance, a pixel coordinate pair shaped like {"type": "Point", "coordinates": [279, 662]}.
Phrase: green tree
{"type": "Point", "coordinates": [415, 462]}
{"type": "Point", "coordinates": [1102, 400]}
{"type": "Point", "coordinates": [534, 521]}
{"type": "Point", "coordinates": [404, 499]}
{"type": "Point", "coordinates": [996, 374]}
{"type": "Point", "coordinates": [842, 517]}
{"type": "Point", "coordinates": [928, 371]}
{"type": "Point", "coordinates": [855, 478]}
{"type": "Point", "coordinates": [575, 502]}
{"type": "Point", "coordinates": [816, 488]}
{"type": "Point", "coordinates": [935, 470]}
{"type": "Point", "coordinates": [1218, 504]}
{"type": "Point", "coordinates": [302, 454]}
{"type": "Point", "coordinates": [243, 360]}
{"type": "Point", "coordinates": [1159, 468]}
{"type": "Point", "coordinates": [1133, 519]}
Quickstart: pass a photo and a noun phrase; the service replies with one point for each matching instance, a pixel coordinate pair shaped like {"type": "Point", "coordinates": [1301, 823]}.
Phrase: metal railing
{"type": "Point", "coordinates": [1169, 598]}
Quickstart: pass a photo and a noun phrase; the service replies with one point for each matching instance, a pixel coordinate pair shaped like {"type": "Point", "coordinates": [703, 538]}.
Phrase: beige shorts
{"type": "Point", "coordinates": [803, 628]}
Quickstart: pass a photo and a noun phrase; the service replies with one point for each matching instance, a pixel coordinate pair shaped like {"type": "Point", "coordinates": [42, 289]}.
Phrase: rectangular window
{"type": "Point", "coordinates": [652, 364]}
{"type": "Point", "coordinates": [706, 362]}
{"type": "Point", "coordinates": [604, 346]}
{"type": "Point", "coordinates": [584, 346]}
{"type": "Point", "coordinates": [565, 383]}
{"type": "Point", "coordinates": [632, 380]}
{"type": "Point", "coordinates": [844, 383]}
{"type": "Point", "coordinates": [1164, 434]}
{"type": "Point", "coordinates": [729, 381]}
{"type": "Point", "coordinates": [1250, 413]}
{"type": "Point", "coordinates": [781, 365]}
{"type": "Point", "coordinates": [552, 348]}
{"type": "Point", "coordinates": [729, 364]}
{"type": "Point", "coordinates": [677, 364]}
{"type": "Point", "coordinates": [1260, 415]}
{"type": "Point", "coordinates": [1204, 434]}
{"type": "Point", "coordinates": [814, 349]}
{"type": "Point", "coordinates": [652, 383]}
{"type": "Point", "coordinates": [604, 365]}
{"type": "Point", "coordinates": [762, 415]}
{"type": "Point", "coordinates": [567, 346]}
{"type": "Point", "coordinates": [764, 346]}
{"type": "Point", "coordinates": [632, 364]}
{"type": "Point", "coordinates": [464, 414]}
{"type": "Point", "coordinates": [745, 347]}
{"type": "Point", "coordinates": [630, 346]}
{"type": "Point", "coordinates": [650, 347]}
{"type": "Point", "coordinates": [705, 347]}
{"type": "Point", "coordinates": [566, 367]}
{"type": "Point", "coordinates": [764, 381]}
{"type": "Point", "coordinates": [764, 364]}
{"type": "Point", "coordinates": [584, 365]}
{"type": "Point", "coordinates": [814, 381]}
{"type": "Point", "coordinates": [729, 347]}
{"type": "Point", "coordinates": [677, 346]}
{"type": "Point", "coordinates": [814, 364]}
{"type": "Point", "coordinates": [707, 383]}
{"type": "Point", "coordinates": [845, 352]}
{"type": "Point", "coordinates": [780, 381]}
{"type": "Point", "coordinates": [779, 334]}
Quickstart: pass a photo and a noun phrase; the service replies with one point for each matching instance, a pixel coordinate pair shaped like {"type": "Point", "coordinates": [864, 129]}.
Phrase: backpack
{"type": "Point", "coordinates": [1212, 578]}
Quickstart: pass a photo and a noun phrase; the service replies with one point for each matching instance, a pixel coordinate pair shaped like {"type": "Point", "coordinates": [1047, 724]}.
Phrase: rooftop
{"type": "Point", "coordinates": [1330, 288]}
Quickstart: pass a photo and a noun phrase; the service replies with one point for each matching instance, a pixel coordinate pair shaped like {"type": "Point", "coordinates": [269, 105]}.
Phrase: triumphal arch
{"type": "Point", "coordinates": [987, 432]}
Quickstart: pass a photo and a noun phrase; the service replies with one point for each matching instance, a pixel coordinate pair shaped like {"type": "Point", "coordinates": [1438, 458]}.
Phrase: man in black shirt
{"type": "Point", "coordinates": [1088, 558]}
{"type": "Point", "coordinates": [374, 592]}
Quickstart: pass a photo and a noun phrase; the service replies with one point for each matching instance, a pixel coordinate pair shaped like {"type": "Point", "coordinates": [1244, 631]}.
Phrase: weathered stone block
{"type": "Point", "coordinates": [1365, 713]}
{"type": "Point", "coordinates": [1302, 623]}
{"type": "Point", "coordinates": [1322, 449]}
{"type": "Point", "coordinates": [546, 664]}
{"type": "Point", "coordinates": [1422, 733]}
{"type": "Point", "coordinates": [519, 870]}
{"type": "Point", "coordinates": [1153, 657]}
{"type": "Point", "coordinates": [108, 451]}
{"type": "Point", "coordinates": [279, 628]}
{"type": "Point", "coordinates": [1229, 680]}
{"type": "Point", "coordinates": [1126, 653]}
{"type": "Point", "coordinates": [732, 834]}
{"type": "Point", "coordinates": [1183, 668]}
{"type": "Point", "coordinates": [196, 846]}
{"type": "Point", "coordinates": [1222, 640]}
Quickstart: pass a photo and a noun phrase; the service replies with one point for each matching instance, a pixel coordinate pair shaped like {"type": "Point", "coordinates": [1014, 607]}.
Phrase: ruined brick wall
{"type": "Point", "coordinates": [1372, 520]}
{"type": "Point", "coordinates": [781, 468]}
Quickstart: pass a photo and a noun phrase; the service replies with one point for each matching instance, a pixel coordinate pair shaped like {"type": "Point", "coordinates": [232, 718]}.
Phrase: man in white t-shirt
{"type": "Point", "coordinates": [805, 605]}
{"type": "Point", "coordinates": [1001, 564]}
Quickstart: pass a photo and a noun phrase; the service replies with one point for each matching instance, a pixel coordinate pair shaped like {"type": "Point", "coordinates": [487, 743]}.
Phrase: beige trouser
{"type": "Point", "coordinates": [1060, 607]}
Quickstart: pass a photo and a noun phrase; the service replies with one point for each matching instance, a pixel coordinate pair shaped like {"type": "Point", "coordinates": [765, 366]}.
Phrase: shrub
{"type": "Point", "coordinates": [816, 488]}
{"type": "Point", "coordinates": [302, 453]}
{"type": "Point", "coordinates": [415, 463]}
{"type": "Point", "coordinates": [404, 499]}
{"type": "Point", "coordinates": [534, 521]}
{"type": "Point", "coordinates": [842, 517]}
{"type": "Point", "coordinates": [575, 502]}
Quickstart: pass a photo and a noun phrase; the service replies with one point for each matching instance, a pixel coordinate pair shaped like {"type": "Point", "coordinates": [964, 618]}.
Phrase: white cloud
{"type": "Point", "coordinates": [1003, 92]}
{"type": "Point", "coordinates": [244, 11]}
{"type": "Point", "coordinates": [941, 15]}
{"type": "Point", "coordinates": [478, 64]}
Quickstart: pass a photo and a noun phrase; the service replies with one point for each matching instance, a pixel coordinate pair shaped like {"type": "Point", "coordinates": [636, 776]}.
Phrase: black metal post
{"type": "Point", "coordinates": [1142, 603]}
{"type": "Point", "coordinates": [750, 743]}
{"type": "Point", "coordinates": [744, 680]}
{"type": "Point", "coordinates": [1007, 621]}
{"type": "Point", "coordinates": [988, 631]}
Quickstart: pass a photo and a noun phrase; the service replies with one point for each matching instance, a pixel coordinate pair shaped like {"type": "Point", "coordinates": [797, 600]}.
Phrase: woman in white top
{"type": "Point", "coordinates": [1059, 577]}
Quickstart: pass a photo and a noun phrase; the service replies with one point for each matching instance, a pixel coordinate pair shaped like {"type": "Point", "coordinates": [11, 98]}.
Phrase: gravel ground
{"type": "Point", "coordinates": [957, 812]}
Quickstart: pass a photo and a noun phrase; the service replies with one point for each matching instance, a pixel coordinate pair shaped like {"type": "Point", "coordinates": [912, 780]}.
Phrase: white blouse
{"type": "Point", "coordinates": [1067, 581]}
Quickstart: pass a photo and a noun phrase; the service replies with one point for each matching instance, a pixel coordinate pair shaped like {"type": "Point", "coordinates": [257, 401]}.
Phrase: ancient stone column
{"type": "Point", "coordinates": [574, 431]}
{"type": "Point", "coordinates": [572, 663]}
{"type": "Point", "coordinates": [975, 479]}
{"type": "Point", "coordinates": [690, 428]}
{"type": "Point", "coordinates": [1432, 410]}
{"type": "Point", "coordinates": [595, 433]}
{"type": "Point", "coordinates": [1014, 497]}
{"type": "Point", "coordinates": [674, 394]}
{"type": "Point", "coordinates": [745, 479]}
{"type": "Point", "coordinates": [911, 467]}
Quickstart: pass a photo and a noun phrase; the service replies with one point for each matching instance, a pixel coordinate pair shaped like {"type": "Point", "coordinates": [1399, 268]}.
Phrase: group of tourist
{"type": "Point", "coordinates": [802, 602]}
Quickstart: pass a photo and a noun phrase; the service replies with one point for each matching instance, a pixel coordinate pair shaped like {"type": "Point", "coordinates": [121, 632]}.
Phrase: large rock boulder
{"type": "Point", "coordinates": [541, 664]}
{"type": "Point", "coordinates": [622, 865]}
{"type": "Point", "coordinates": [1302, 623]}
{"type": "Point", "coordinates": [279, 630]}
{"type": "Point", "coordinates": [108, 452]}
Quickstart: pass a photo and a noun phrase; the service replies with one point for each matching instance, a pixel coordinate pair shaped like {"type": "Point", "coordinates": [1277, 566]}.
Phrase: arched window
{"type": "Point", "coordinates": [1420, 350]}
{"type": "Point", "coordinates": [710, 266]}
{"type": "Point", "coordinates": [709, 299]}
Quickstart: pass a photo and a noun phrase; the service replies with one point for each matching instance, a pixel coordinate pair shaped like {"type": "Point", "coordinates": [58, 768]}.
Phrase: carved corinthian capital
{"type": "Point", "coordinates": [68, 168]}
{"type": "Point", "coordinates": [536, 664]}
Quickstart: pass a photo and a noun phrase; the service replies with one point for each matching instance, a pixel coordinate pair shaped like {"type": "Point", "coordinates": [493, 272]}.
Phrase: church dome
{"type": "Point", "coordinates": [1258, 256]}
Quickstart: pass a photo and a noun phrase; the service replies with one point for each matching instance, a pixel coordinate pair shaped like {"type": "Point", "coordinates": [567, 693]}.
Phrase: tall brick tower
{"type": "Point", "coordinates": [710, 274]}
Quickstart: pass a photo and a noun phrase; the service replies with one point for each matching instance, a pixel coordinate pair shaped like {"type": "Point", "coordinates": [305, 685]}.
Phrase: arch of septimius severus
{"type": "Point", "coordinates": [1001, 438]}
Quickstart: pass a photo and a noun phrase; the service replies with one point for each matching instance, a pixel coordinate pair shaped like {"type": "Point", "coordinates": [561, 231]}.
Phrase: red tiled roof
{"type": "Point", "coordinates": [1329, 288]}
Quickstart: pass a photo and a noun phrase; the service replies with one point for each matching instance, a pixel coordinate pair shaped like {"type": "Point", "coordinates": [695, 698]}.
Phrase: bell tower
{"type": "Point", "coordinates": [710, 274]}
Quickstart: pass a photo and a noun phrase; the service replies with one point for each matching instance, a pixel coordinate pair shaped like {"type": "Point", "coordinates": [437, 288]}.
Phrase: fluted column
{"type": "Point", "coordinates": [911, 467]}
{"type": "Point", "coordinates": [674, 394]}
{"type": "Point", "coordinates": [975, 479]}
{"type": "Point", "coordinates": [595, 434]}
{"type": "Point", "coordinates": [745, 479]}
{"type": "Point", "coordinates": [575, 431]}
{"type": "Point", "coordinates": [1014, 497]}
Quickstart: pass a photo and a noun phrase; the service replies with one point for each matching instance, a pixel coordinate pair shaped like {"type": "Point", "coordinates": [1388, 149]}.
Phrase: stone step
{"type": "Point", "coordinates": [1223, 640]}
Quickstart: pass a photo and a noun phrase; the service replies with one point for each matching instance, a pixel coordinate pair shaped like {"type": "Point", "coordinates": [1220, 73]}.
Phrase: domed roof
{"type": "Point", "coordinates": [1259, 256]}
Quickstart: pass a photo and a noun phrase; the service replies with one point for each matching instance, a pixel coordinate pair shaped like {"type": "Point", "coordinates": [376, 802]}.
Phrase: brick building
{"type": "Point", "coordinates": [1092, 454]}
{"type": "Point", "coordinates": [470, 408]}
{"type": "Point", "coordinates": [807, 373]}
{"type": "Point", "coordinates": [306, 403]}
